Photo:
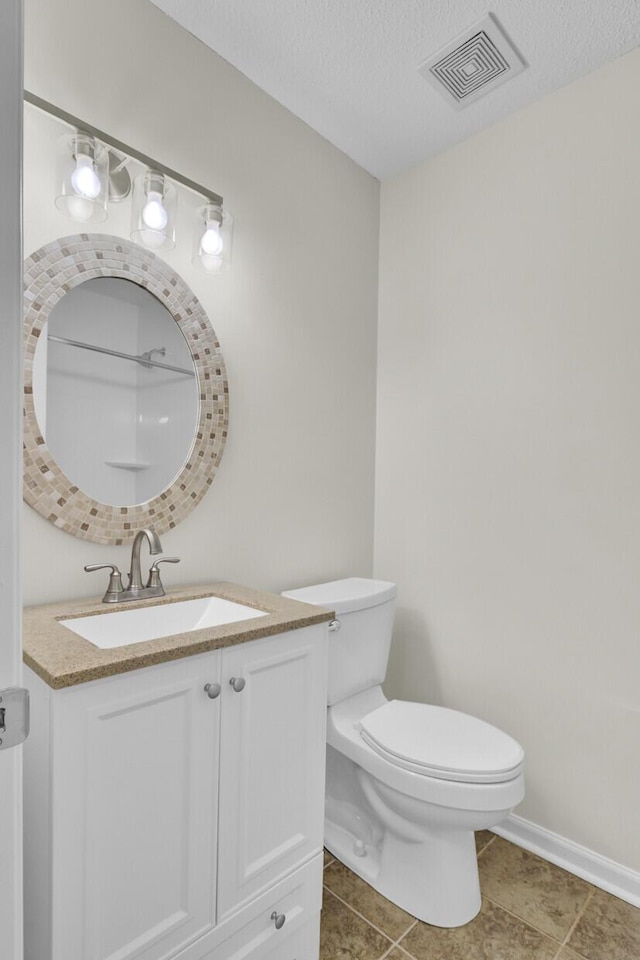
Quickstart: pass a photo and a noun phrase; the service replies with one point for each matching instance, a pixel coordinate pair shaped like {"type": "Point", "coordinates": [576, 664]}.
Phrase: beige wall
{"type": "Point", "coordinates": [508, 458]}
{"type": "Point", "coordinates": [293, 499]}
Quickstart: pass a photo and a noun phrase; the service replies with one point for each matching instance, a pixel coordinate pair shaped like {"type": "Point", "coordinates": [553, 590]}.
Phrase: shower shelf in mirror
{"type": "Point", "coordinates": [128, 464]}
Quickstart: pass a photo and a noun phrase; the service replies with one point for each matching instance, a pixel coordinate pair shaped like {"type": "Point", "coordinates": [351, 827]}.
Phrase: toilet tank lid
{"type": "Point", "coordinates": [343, 596]}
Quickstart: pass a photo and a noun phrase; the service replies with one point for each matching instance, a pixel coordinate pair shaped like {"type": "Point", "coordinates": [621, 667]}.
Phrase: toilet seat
{"type": "Point", "coordinates": [441, 743]}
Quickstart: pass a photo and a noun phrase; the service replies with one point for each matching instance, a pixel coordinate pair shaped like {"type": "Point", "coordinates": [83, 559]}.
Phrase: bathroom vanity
{"type": "Point", "coordinates": [175, 787]}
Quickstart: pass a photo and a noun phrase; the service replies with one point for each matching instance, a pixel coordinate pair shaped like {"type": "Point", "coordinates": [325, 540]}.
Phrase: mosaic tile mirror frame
{"type": "Point", "coordinates": [49, 274]}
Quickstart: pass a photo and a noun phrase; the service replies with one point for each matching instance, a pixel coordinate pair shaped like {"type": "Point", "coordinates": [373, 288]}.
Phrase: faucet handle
{"type": "Point", "coordinates": [115, 587]}
{"type": "Point", "coordinates": [154, 572]}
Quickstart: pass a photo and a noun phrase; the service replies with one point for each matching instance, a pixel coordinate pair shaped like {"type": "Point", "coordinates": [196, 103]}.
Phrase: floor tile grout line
{"type": "Point", "coordinates": [522, 920]}
{"type": "Point", "coordinates": [487, 844]}
{"type": "Point", "coordinates": [590, 895]}
{"type": "Point", "coordinates": [397, 942]}
{"type": "Point", "coordinates": [362, 917]}
{"type": "Point", "coordinates": [394, 946]}
{"type": "Point", "coordinates": [387, 952]}
{"type": "Point", "coordinates": [388, 936]}
{"type": "Point", "coordinates": [580, 914]}
{"type": "Point", "coordinates": [406, 932]}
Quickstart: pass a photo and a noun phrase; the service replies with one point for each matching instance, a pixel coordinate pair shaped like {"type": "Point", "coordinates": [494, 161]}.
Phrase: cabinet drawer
{"type": "Point", "coordinates": [251, 934]}
{"type": "Point", "coordinates": [300, 944]}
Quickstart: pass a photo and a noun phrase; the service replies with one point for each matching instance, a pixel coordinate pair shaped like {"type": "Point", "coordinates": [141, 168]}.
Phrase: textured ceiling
{"type": "Point", "coordinates": [348, 68]}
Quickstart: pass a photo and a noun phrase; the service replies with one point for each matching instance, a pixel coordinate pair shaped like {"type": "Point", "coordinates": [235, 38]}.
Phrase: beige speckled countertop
{"type": "Point", "coordinates": [63, 659]}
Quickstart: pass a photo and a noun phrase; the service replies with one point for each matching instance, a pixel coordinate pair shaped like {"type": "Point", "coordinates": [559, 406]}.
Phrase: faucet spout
{"type": "Point", "coordinates": [135, 576]}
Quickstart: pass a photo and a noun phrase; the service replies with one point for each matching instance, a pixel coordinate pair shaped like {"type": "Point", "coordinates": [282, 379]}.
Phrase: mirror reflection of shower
{"type": "Point", "coordinates": [115, 391]}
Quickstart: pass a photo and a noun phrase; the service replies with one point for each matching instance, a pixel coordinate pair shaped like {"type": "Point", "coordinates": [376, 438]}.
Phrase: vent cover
{"type": "Point", "coordinates": [473, 64]}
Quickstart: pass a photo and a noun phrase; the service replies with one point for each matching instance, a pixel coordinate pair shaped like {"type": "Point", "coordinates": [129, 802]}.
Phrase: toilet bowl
{"type": "Point", "coordinates": [407, 784]}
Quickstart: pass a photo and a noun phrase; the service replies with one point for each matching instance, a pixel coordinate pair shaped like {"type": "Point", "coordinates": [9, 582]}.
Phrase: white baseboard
{"type": "Point", "coordinates": [600, 871]}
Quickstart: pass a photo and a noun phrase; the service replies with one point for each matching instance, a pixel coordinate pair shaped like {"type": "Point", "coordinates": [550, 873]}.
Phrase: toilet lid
{"type": "Point", "coordinates": [441, 743]}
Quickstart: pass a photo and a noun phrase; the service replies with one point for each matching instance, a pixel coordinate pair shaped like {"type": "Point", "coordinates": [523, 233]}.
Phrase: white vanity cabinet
{"type": "Point", "coordinates": [164, 821]}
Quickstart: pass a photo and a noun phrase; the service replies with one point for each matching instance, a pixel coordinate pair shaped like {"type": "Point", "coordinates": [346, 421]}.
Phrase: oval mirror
{"type": "Point", "coordinates": [125, 390]}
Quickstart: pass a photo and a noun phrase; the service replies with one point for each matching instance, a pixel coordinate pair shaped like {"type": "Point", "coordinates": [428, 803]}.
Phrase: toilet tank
{"type": "Point", "coordinates": [361, 636]}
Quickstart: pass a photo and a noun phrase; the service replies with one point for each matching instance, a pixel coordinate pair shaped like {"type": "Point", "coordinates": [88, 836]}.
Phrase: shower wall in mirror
{"type": "Point", "coordinates": [113, 368]}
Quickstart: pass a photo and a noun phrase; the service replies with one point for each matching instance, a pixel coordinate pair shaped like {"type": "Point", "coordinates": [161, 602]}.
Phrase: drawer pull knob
{"type": "Point", "coordinates": [238, 685]}
{"type": "Point", "coordinates": [278, 919]}
{"type": "Point", "coordinates": [212, 690]}
{"type": "Point", "coordinates": [334, 625]}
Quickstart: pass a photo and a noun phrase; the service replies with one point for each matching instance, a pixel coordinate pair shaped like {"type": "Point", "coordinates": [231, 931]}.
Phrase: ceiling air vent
{"type": "Point", "coordinates": [473, 64]}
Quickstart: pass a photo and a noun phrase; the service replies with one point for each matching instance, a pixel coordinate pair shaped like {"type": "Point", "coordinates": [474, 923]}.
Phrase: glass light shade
{"type": "Point", "coordinates": [212, 238]}
{"type": "Point", "coordinates": [82, 178]}
{"type": "Point", "coordinates": [153, 211]}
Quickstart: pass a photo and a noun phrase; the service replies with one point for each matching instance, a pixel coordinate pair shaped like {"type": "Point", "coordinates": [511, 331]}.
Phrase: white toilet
{"type": "Point", "coordinates": [407, 783]}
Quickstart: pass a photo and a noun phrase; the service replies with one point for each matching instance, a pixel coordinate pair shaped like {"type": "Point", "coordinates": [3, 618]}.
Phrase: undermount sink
{"type": "Point", "coordinates": [120, 628]}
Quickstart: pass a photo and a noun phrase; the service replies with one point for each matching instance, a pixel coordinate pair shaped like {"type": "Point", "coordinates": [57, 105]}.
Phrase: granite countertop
{"type": "Point", "coordinates": [63, 659]}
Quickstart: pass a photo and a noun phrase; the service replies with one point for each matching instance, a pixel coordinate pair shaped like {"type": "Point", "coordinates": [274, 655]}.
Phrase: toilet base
{"type": "Point", "coordinates": [435, 880]}
{"type": "Point", "coordinates": [410, 837]}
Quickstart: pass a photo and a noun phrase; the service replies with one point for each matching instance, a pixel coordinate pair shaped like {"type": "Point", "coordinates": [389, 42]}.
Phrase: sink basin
{"type": "Point", "coordinates": [119, 628]}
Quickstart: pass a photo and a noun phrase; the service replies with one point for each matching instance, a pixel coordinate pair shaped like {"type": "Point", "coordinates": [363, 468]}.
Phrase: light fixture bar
{"type": "Point", "coordinates": [121, 147]}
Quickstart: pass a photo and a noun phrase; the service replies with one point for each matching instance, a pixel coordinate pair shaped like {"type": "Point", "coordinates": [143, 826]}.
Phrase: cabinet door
{"type": "Point", "coordinates": [135, 807]}
{"type": "Point", "coordinates": [272, 752]}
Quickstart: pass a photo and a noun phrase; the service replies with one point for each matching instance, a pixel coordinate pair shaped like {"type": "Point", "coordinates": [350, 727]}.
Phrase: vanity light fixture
{"type": "Point", "coordinates": [82, 178]}
{"type": "Point", "coordinates": [91, 170]}
{"type": "Point", "coordinates": [153, 211]}
{"type": "Point", "coordinates": [212, 239]}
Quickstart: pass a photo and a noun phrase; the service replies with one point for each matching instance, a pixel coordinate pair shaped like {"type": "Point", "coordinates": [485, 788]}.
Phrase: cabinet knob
{"type": "Point", "coordinates": [238, 684]}
{"type": "Point", "coordinates": [212, 690]}
{"type": "Point", "coordinates": [334, 625]}
{"type": "Point", "coordinates": [278, 919]}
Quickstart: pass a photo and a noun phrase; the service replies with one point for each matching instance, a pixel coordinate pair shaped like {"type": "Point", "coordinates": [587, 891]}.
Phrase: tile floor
{"type": "Point", "coordinates": [531, 910]}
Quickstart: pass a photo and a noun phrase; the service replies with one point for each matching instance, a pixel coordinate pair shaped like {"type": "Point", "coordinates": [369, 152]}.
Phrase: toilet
{"type": "Point", "coordinates": [407, 784]}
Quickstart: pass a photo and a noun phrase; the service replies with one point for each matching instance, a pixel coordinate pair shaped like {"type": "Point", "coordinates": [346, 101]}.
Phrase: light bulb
{"type": "Point", "coordinates": [80, 208]}
{"type": "Point", "coordinates": [154, 214]}
{"type": "Point", "coordinates": [154, 239]}
{"type": "Point", "coordinates": [212, 238]}
{"type": "Point", "coordinates": [84, 179]}
{"type": "Point", "coordinates": [211, 264]}
{"type": "Point", "coordinates": [211, 242]}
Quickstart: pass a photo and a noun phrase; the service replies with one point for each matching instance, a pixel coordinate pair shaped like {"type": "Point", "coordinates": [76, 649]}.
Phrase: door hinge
{"type": "Point", "coordinates": [14, 716]}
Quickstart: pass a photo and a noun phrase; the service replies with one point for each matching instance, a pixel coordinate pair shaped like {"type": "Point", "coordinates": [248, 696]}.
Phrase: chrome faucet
{"type": "Point", "coordinates": [135, 591]}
